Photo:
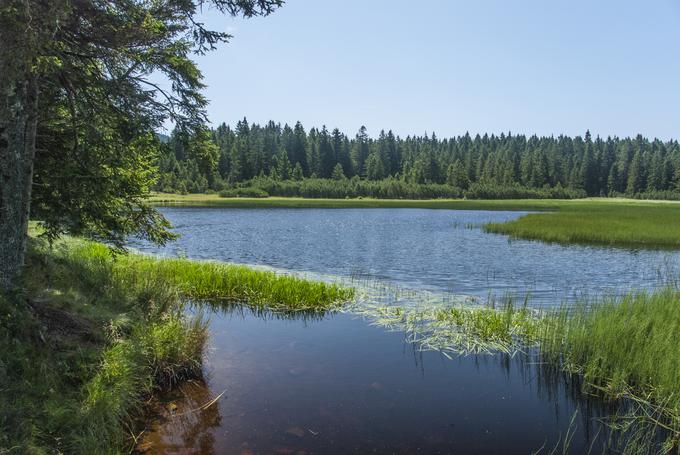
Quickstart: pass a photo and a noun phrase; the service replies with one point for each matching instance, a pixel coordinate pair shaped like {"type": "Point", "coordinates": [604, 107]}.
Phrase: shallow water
{"type": "Point", "coordinates": [339, 385]}
{"type": "Point", "coordinates": [442, 251]}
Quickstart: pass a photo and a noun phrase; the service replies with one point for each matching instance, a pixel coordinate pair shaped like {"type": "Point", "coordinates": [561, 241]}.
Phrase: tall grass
{"type": "Point", "coordinates": [625, 347]}
{"type": "Point", "coordinates": [628, 225]}
{"type": "Point", "coordinates": [81, 350]}
{"type": "Point", "coordinates": [209, 280]}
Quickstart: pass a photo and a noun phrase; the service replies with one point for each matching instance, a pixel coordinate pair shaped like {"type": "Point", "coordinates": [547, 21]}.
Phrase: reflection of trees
{"type": "Point", "coordinates": [243, 310]}
{"type": "Point", "coordinates": [185, 421]}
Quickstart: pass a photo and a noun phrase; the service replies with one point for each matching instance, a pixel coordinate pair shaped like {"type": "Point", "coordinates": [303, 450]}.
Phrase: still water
{"type": "Point", "coordinates": [337, 385]}
{"type": "Point", "coordinates": [333, 383]}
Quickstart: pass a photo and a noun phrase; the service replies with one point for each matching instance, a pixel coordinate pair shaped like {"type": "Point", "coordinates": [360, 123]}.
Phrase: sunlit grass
{"type": "Point", "coordinates": [215, 281]}
{"type": "Point", "coordinates": [628, 225]}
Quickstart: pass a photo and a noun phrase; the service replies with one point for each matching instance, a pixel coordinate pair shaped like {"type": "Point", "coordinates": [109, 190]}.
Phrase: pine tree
{"type": "Point", "coordinates": [635, 175]}
{"type": "Point", "coordinates": [338, 174]}
{"type": "Point", "coordinates": [297, 172]}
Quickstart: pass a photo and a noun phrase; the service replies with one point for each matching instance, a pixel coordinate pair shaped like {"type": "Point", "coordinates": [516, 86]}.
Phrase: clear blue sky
{"type": "Point", "coordinates": [526, 66]}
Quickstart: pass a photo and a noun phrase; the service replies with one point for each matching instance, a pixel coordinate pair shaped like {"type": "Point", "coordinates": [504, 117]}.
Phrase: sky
{"type": "Point", "coordinates": [453, 66]}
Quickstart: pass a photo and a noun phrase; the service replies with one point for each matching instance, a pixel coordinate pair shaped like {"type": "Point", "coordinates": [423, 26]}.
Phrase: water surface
{"type": "Point", "coordinates": [336, 385]}
{"type": "Point", "coordinates": [443, 251]}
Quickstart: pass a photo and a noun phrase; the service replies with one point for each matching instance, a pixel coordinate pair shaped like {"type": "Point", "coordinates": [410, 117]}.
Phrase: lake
{"type": "Point", "coordinates": [334, 383]}
{"type": "Point", "coordinates": [441, 251]}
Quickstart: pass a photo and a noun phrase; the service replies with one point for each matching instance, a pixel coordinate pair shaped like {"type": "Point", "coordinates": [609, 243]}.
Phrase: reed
{"type": "Point", "coordinates": [653, 225]}
{"type": "Point", "coordinates": [207, 280]}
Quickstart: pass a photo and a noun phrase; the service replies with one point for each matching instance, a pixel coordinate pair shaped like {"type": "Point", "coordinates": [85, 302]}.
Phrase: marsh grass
{"type": "Point", "coordinates": [460, 329]}
{"type": "Point", "coordinates": [653, 225]}
{"type": "Point", "coordinates": [209, 280]}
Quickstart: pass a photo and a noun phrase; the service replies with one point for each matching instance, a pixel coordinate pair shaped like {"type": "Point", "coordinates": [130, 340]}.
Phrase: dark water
{"type": "Point", "coordinates": [339, 386]}
{"type": "Point", "coordinates": [435, 250]}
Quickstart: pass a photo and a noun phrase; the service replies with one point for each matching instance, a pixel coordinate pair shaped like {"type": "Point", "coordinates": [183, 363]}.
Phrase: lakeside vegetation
{"type": "Point", "coordinates": [283, 160]}
{"type": "Point", "coordinates": [96, 334]}
{"type": "Point", "coordinates": [621, 225]}
{"type": "Point", "coordinates": [622, 347]}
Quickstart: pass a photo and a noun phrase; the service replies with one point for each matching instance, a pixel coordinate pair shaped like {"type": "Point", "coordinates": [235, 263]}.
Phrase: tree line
{"type": "Point", "coordinates": [251, 155]}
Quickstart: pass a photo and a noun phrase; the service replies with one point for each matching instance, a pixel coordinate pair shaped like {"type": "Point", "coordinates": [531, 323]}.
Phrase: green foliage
{"type": "Point", "coordinates": [244, 192]}
{"type": "Point", "coordinates": [483, 190]}
{"type": "Point", "coordinates": [341, 188]}
{"type": "Point", "coordinates": [96, 153]}
{"type": "Point", "coordinates": [505, 166]}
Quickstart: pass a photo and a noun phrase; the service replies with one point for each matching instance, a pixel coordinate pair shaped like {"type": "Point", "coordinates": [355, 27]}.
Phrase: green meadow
{"type": "Point", "coordinates": [621, 224]}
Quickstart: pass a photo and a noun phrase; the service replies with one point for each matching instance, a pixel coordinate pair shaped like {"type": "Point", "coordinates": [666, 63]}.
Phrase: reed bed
{"type": "Point", "coordinates": [216, 281]}
{"type": "Point", "coordinates": [652, 225]}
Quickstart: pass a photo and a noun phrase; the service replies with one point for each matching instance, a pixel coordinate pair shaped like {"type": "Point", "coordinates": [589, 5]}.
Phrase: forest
{"type": "Point", "coordinates": [254, 160]}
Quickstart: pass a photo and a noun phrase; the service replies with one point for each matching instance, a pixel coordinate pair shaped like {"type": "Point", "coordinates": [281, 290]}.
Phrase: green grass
{"type": "Point", "coordinates": [216, 281]}
{"type": "Point", "coordinates": [624, 224]}
{"type": "Point", "coordinates": [625, 347]}
{"type": "Point", "coordinates": [81, 350]}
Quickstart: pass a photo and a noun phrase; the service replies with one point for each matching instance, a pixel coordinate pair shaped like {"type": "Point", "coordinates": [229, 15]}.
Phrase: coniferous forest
{"type": "Point", "coordinates": [252, 160]}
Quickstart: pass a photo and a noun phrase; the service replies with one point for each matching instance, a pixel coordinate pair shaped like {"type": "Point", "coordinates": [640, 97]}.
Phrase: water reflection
{"type": "Point", "coordinates": [336, 385]}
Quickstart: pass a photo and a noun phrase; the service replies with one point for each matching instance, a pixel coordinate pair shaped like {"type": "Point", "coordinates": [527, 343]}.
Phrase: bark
{"type": "Point", "coordinates": [18, 122]}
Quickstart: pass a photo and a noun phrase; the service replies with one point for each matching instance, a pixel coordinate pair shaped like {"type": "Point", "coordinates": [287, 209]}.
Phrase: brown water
{"type": "Point", "coordinates": [336, 385]}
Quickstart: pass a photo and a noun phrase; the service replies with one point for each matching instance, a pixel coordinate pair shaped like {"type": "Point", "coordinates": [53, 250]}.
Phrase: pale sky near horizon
{"type": "Point", "coordinates": [451, 66]}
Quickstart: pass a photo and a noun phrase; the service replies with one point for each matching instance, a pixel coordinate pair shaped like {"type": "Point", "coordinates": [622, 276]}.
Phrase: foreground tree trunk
{"type": "Point", "coordinates": [18, 122]}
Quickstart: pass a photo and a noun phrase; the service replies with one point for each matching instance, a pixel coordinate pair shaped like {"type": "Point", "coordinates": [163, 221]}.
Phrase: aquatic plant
{"type": "Point", "coordinates": [211, 280]}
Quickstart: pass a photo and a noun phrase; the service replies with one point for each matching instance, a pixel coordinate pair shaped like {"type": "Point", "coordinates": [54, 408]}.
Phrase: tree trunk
{"type": "Point", "coordinates": [18, 123]}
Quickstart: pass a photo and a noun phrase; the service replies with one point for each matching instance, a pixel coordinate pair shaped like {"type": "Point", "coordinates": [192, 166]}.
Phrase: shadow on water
{"type": "Point", "coordinates": [293, 383]}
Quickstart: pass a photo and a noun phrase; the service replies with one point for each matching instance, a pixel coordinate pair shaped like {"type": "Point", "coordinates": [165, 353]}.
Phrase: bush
{"type": "Point", "coordinates": [482, 190]}
{"type": "Point", "coordinates": [390, 188]}
{"type": "Point", "coordinates": [244, 192]}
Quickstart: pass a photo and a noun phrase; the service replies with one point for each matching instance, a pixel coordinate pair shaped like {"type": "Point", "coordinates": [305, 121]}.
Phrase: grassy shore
{"type": "Point", "coordinates": [617, 222]}
{"type": "Point", "coordinates": [91, 337]}
{"type": "Point", "coordinates": [622, 223]}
